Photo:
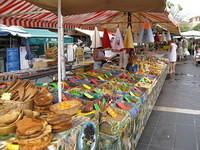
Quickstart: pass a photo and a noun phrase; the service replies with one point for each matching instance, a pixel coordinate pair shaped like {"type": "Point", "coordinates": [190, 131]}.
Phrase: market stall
{"type": "Point", "coordinates": [104, 109]}
{"type": "Point", "coordinates": [12, 43]}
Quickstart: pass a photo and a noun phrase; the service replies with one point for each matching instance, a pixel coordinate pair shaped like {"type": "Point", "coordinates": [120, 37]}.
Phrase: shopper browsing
{"type": "Point", "coordinates": [132, 59]}
{"type": "Point", "coordinates": [99, 57]}
{"type": "Point", "coordinates": [79, 54]}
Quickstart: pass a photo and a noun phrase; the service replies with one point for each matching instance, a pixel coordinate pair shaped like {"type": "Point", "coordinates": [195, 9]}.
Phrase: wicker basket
{"type": "Point", "coordinates": [10, 128]}
{"type": "Point", "coordinates": [28, 104]}
{"type": "Point", "coordinates": [73, 109]}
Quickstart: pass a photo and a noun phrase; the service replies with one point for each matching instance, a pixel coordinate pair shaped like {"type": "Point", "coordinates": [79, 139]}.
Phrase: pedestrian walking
{"type": "Point", "coordinates": [185, 48]}
{"type": "Point", "coordinates": [172, 56]}
{"type": "Point", "coordinates": [180, 50]}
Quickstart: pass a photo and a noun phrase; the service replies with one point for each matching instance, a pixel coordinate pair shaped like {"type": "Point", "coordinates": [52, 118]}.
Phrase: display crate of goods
{"type": "Point", "coordinates": [69, 107]}
{"type": "Point", "coordinates": [113, 121]}
{"type": "Point", "coordinates": [121, 140]}
{"type": "Point", "coordinates": [93, 116]}
{"type": "Point", "coordinates": [83, 135]}
{"type": "Point", "coordinates": [108, 71]}
{"type": "Point", "coordinates": [83, 94]}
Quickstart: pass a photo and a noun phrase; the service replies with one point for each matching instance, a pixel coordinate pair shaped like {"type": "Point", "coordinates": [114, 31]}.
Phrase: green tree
{"type": "Point", "coordinates": [197, 27]}
{"type": "Point", "coordinates": [184, 28]}
{"type": "Point", "coordinates": [175, 10]}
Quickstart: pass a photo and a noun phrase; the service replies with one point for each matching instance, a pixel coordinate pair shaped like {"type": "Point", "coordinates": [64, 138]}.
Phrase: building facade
{"type": "Point", "coordinates": [194, 21]}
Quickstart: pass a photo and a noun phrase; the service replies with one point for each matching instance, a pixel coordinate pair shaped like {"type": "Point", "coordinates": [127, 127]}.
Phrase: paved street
{"type": "Point", "coordinates": [170, 128]}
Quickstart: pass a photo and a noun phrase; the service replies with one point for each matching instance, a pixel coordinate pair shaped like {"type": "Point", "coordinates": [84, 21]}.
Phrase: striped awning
{"type": "Point", "coordinates": [27, 15]}
{"type": "Point", "coordinates": [23, 13]}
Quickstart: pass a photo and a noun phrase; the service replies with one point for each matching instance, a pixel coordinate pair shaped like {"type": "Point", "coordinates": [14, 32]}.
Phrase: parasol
{"type": "Point", "coordinates": [69, 7]}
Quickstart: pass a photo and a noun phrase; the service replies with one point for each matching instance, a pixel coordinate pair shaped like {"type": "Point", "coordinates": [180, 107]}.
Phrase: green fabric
{"type": "Point", "coordinates": [41, 33]}
{"type": "Point", "coordinates": [41, 36]}
{"type": "Point", "coordinates": [68, 39]}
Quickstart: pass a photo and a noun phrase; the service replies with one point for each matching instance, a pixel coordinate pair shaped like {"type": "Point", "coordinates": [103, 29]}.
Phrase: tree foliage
{"type": "Point", "coordinates": [175, 10]}
{"type": "Point", "coordinates": [197, 27]}
{"type": "Point", "coordinates": [184, 28]}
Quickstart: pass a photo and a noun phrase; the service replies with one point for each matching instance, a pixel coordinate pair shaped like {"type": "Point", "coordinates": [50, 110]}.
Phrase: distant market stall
{"type": "Point", "coordinates": [12, 48]}
{"type": "Point", "coordinates": [42, 39]}
{"type": "Point", "coordinates": [22, 40]}
{"type": "Point", "coordinates": [191, 34]}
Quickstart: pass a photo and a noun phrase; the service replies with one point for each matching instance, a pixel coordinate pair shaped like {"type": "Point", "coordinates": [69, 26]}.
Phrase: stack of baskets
{"type": "Point", "coordinates": [33, 134]}
{"type": "Point", "coordinates": [43, 100]}
{"type": "Point", "coordinates": [9, 115]}
{"type": "Point", "coordinates": [19, 92]}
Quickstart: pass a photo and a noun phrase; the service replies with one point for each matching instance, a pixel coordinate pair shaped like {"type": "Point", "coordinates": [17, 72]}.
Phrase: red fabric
{"type": "Point", "coordinates": [157, 38]}
{"type": "Point", "coordinates": [106, 40]}
{"type": "Point", "coordinates": [146, 25]}
{"type": "Point", "coordinates": [23, 15]}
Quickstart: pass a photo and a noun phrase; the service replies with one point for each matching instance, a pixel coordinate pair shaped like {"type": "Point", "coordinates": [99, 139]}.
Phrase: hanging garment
{"type": "Point", "coordinates": [168, 38]}
{"type": "Point", "coordinates": [117, 43]}
{"type": "Point", "coordinates": [128, 40]}
{"type": "Point", "coordinates": [96, 40]}
{"type": "Point", "coordinates": [146, 34]}
{"type": "Point", "coordinates": [106, 39]}
{"type": "Point", "coordinates": [163, 37]}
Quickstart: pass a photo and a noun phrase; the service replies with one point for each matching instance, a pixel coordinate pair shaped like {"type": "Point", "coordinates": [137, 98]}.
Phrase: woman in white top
{"type": "Point", "coordinates": [180, 53]}
{"type": "Point", "coordinates": [172, 56]}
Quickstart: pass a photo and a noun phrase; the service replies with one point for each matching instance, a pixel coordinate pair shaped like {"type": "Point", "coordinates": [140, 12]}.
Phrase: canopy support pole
{"type": "Point", "coordinates": [60, 50]}
{"type": "Point", "coordinates": [129, 19]}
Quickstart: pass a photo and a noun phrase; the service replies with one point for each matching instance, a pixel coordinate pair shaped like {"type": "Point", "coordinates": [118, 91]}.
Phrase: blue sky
{"type": "Point", "coordinates": [191, 8]}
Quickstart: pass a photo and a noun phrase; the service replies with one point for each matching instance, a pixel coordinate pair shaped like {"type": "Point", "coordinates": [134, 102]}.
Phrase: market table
{"type": "Point", "coordinates": [124, 135]}
{"type": "Point", "coordinates": [126, 140]}
{"type": "Point", "coordinates": [34, 74]}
